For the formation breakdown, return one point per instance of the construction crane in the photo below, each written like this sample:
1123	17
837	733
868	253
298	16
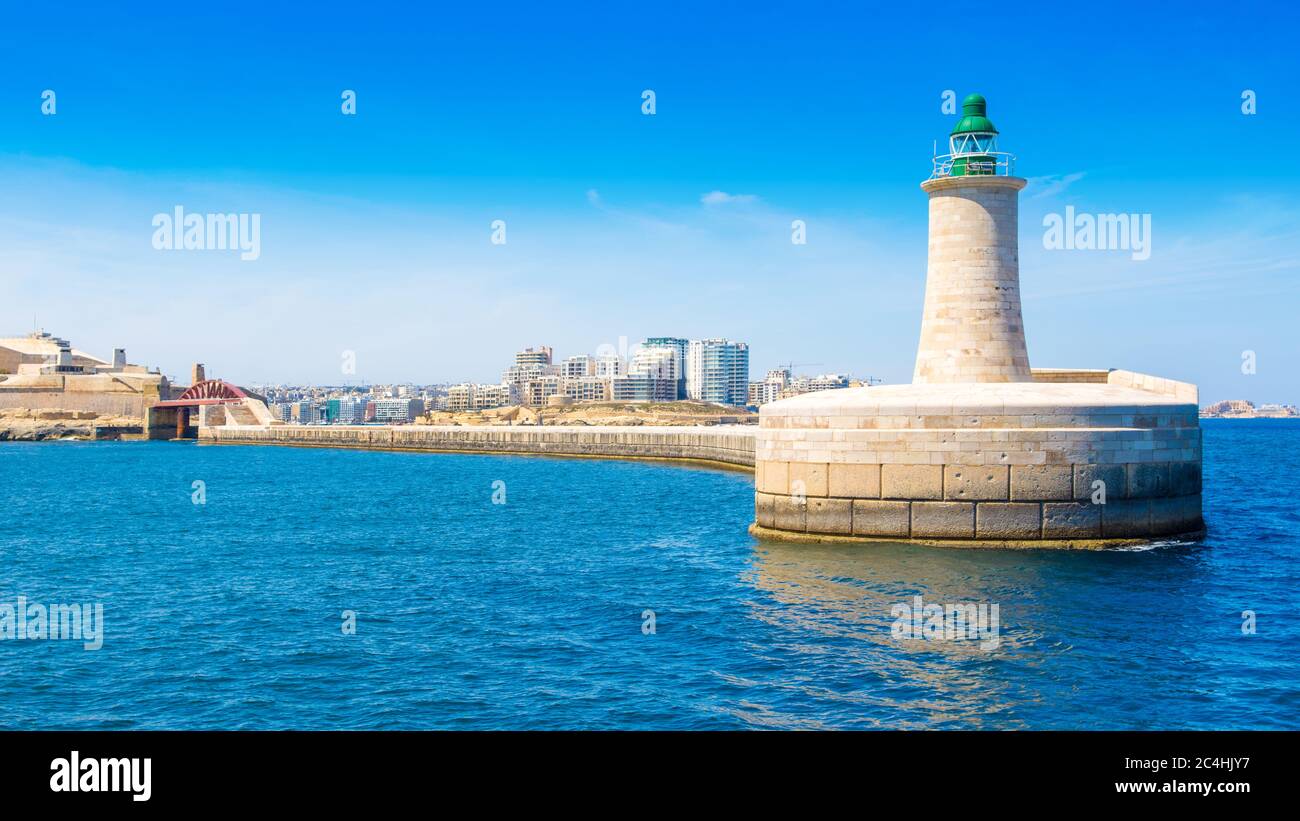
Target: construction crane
866	380
792	365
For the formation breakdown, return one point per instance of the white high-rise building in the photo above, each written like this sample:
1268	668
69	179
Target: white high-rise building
662	363
534	356
717	370
576	367
773	386
610	365
680	349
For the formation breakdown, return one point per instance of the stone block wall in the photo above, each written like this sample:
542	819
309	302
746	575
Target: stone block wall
1065	474
924	505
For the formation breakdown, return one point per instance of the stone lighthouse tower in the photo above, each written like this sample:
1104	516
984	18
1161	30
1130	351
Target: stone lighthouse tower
971	330
980	449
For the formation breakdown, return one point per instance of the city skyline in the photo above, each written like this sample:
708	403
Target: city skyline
376	231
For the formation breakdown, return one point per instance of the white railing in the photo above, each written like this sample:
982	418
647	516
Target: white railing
982	164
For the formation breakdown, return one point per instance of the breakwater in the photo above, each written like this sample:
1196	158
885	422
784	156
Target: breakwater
725	444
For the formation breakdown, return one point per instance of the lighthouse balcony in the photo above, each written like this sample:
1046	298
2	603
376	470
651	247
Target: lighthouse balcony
978	164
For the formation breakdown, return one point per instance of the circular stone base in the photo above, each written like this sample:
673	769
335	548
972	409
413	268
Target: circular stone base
770	535
1046	464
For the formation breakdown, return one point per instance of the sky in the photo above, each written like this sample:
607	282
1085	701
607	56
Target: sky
376	227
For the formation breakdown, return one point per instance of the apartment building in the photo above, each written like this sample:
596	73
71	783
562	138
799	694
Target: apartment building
398	411
717	370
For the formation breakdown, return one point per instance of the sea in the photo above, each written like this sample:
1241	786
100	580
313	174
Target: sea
250	587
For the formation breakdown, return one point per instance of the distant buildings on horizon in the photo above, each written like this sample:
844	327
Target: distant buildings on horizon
1245	409
660	369
782	383
347	409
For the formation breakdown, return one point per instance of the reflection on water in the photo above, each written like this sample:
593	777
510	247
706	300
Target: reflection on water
1069	623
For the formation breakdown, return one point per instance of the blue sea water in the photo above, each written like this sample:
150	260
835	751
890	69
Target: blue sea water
532	613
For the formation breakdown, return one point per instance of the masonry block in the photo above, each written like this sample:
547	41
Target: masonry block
1180	514
1039	483
1008	520
881	518
854	481
911	481
812	475
948	520
1071	520
830	516
788	514
765	509
1147	480
975	483
1185	479
774	477
1122	518
1112	475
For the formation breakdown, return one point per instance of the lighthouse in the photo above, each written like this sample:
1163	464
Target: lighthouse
980	449
971	327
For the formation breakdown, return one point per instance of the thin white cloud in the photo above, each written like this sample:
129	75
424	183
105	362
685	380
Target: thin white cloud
723	198
1051	185
593	197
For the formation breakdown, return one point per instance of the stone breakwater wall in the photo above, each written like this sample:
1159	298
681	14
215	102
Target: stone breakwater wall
1012	499
1010	464
730	445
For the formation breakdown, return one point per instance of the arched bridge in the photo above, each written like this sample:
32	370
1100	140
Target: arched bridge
218	403
207	392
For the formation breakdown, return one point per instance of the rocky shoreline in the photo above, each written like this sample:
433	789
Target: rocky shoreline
22	425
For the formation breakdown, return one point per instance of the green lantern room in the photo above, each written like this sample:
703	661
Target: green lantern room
973	143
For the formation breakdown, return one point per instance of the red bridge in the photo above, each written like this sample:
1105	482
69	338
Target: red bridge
207	392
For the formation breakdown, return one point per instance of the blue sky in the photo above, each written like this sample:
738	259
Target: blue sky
376	227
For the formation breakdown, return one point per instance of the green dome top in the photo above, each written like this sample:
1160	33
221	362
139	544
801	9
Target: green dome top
973	117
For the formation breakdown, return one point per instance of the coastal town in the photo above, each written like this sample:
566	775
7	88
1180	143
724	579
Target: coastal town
1245	409
51	390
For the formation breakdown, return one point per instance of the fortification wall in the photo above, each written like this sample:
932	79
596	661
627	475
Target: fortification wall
104	404
104	394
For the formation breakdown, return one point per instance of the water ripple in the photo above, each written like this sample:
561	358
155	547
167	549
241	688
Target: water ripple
536	614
